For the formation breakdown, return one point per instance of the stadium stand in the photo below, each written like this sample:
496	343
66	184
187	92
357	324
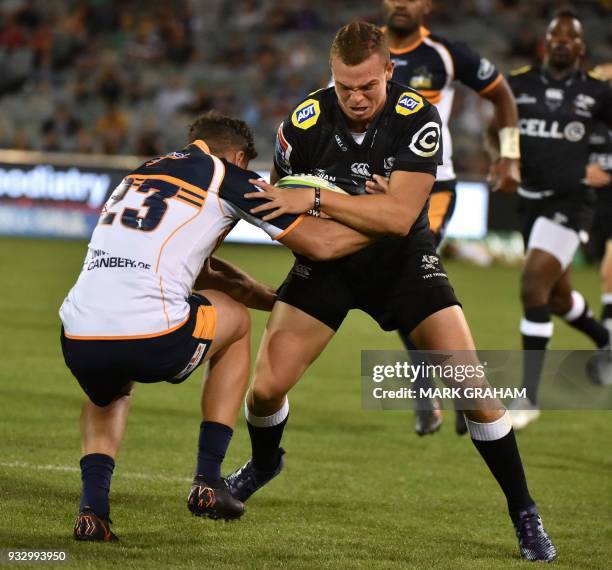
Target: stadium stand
126	77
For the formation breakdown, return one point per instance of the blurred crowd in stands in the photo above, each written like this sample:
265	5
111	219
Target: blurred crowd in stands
127	76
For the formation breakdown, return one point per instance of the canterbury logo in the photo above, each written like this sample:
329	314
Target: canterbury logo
361	169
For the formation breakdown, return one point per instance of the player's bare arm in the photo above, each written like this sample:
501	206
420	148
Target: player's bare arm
322	240
596	176
392	212
221	275
505	174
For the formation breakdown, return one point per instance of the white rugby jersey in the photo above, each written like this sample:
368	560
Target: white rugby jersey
431	65
154	234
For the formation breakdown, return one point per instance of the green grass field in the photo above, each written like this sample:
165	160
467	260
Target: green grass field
360	490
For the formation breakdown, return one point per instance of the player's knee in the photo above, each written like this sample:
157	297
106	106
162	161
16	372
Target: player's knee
485	416
243	320
560	303
234	316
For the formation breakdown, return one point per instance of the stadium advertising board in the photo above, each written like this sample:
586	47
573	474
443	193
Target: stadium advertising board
60	196
50	196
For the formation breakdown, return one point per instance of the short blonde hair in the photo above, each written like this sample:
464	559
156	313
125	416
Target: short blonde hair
357	41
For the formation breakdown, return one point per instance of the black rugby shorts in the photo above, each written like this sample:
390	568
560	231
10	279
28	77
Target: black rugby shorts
574	214
399	282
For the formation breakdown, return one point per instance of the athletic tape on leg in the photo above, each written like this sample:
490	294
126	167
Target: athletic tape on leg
530	328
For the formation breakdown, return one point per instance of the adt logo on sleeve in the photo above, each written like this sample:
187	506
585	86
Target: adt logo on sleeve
409	103
306	114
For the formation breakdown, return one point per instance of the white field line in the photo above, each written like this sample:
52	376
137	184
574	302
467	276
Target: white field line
73	469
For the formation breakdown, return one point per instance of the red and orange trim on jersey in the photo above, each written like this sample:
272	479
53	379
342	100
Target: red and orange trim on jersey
201	145
290	228
492	85
424	32
130	337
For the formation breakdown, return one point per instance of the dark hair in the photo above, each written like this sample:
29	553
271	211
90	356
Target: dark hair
222	133
567	12
357	41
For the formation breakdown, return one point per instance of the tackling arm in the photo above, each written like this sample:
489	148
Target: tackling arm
321	240
221	275
391	213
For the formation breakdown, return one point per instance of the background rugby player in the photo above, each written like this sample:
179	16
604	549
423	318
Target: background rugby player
559	105
368	123
131	316
431	64
599	176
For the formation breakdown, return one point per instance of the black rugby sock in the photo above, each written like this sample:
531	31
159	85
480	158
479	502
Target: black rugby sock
266	433
536	330
212	445
96	473
502	456
581	318
265	445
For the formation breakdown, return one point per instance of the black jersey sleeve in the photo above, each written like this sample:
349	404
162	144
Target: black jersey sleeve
517	77
231	194
472	69
420	144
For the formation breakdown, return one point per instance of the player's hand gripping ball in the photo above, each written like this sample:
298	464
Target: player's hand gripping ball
292	195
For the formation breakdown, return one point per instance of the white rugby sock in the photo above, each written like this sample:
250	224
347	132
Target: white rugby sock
490	431
267	421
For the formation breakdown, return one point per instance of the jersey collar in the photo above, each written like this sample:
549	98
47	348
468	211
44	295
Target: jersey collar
424	33
547	79
201	145
370	132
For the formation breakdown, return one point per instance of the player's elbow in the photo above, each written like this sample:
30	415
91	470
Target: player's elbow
314	247
398	220
328	245
399	226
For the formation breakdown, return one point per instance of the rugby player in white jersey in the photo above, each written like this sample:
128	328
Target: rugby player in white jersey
132	315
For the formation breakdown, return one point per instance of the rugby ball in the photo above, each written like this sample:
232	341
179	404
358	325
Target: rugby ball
308	181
